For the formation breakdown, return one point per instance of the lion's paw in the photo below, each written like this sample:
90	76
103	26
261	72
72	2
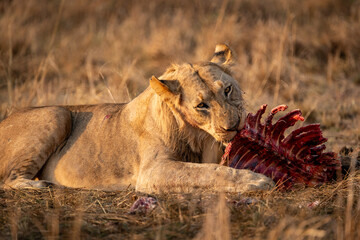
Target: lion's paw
251	181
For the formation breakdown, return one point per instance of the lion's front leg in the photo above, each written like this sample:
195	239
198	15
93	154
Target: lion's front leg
162	175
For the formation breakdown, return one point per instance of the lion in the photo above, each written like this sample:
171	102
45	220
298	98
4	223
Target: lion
165	140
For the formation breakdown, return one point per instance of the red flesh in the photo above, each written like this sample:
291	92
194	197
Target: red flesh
295	159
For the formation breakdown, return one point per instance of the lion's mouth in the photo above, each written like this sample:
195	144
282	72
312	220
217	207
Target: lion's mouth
227	137
233	128
231	133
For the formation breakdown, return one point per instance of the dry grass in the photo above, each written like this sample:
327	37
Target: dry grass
58	213
305	54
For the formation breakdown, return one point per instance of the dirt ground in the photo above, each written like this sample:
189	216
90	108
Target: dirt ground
305	54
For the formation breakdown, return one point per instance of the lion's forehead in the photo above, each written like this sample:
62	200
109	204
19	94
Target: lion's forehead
204	75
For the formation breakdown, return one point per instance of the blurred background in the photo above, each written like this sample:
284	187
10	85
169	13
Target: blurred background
305	54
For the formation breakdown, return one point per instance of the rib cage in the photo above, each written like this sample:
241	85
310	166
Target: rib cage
298	158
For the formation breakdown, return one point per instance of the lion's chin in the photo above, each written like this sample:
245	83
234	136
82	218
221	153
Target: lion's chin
226	138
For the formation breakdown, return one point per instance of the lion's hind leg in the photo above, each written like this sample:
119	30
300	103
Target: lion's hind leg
27	140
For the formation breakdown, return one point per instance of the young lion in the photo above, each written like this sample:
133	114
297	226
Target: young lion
162	141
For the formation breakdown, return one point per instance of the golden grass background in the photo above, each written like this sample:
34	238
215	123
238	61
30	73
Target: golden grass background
305	54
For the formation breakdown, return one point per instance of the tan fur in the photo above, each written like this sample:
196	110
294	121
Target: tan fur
162	141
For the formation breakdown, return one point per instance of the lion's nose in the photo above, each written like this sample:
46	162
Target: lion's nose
242	121
234	128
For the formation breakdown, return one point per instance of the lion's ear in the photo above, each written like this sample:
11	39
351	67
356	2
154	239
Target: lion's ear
165	88
223	56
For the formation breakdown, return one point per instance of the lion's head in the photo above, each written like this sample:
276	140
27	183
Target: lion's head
204	95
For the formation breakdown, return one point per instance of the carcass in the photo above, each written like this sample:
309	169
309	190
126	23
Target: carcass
298	158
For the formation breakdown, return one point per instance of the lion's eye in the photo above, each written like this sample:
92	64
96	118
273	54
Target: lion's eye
202	106
227	91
